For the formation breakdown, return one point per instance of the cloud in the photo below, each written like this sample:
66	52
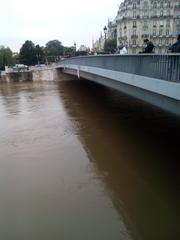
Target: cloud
46	20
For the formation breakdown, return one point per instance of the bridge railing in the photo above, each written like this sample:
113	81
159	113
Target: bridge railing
161	66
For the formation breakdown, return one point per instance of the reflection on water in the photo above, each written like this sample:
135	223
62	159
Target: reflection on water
81	161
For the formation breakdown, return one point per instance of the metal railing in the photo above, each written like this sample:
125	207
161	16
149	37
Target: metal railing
160	66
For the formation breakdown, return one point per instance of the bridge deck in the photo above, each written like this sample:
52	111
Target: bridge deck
152	78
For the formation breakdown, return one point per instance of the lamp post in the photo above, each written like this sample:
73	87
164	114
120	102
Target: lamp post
38	58
105	35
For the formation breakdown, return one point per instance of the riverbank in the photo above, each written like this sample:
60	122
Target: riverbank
33	74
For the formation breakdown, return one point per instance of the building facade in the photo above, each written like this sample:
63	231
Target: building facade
112	29
157	20
98	45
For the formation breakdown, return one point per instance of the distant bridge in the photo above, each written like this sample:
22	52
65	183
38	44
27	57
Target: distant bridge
153	78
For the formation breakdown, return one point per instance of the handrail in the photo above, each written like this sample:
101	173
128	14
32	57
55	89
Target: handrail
159	66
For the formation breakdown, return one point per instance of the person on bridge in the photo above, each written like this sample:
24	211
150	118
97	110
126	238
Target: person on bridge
121	49
149	46
175	48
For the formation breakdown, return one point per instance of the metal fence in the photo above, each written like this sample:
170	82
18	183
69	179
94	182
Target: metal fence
164	67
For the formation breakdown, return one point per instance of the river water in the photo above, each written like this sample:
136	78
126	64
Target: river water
82	161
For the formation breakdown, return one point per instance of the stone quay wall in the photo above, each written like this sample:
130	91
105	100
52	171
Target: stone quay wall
35	74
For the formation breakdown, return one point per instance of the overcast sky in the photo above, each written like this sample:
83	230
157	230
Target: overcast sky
41	21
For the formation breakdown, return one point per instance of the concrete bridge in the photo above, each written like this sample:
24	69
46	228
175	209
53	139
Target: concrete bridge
152	78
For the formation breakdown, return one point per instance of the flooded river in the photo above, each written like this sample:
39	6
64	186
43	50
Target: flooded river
82	161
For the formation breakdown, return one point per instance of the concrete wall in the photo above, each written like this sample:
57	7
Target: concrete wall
44	74
16	77
49	74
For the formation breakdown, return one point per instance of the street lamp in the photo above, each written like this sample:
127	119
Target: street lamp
105	34
38	58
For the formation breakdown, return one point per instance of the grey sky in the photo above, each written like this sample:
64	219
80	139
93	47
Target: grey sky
41	21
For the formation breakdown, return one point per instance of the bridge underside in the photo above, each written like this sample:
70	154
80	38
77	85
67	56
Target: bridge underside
162	94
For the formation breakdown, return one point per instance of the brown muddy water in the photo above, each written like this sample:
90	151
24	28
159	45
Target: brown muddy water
82	161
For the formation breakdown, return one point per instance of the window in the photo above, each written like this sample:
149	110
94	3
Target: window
145	23
145	4
168	12
167	32
161	4
134	14
134	42
161	13
168	23
161	23
145	29
178	14
134	24
145	13
154	13
160	32
155	5
134	5
154	33
168	4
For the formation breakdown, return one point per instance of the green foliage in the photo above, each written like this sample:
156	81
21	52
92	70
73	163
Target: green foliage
40	56
27	53
81	53
53	48
69	51
6	57
110	46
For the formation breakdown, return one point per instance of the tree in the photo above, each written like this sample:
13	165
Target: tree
54	49
6	57
69	51
81	53
27	53
39	52
110	46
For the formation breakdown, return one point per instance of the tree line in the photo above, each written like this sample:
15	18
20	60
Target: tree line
31	54
6	57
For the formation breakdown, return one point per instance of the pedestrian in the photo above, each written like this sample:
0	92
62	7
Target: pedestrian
175	48
149	46
121	49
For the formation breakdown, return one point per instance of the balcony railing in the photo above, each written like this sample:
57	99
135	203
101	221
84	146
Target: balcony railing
145	35
134	36
134	45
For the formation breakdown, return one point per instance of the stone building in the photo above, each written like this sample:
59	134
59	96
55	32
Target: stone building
112	29
98	45
157	20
